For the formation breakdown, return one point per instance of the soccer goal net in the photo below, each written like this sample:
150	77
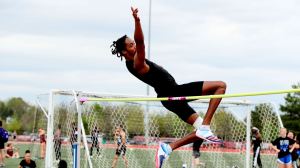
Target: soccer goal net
88	132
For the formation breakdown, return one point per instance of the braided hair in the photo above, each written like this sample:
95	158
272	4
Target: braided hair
118	46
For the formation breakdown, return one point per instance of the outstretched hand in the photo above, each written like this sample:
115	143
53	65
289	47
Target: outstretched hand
135	13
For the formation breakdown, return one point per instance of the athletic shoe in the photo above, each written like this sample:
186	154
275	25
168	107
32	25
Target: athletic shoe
161	155
206	134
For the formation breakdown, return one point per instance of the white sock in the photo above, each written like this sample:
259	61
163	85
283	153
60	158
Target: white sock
205	126
169	149
197	124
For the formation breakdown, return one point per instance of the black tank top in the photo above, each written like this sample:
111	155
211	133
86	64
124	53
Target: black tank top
157	76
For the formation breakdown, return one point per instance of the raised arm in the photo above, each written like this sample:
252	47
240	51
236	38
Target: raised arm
138	33
274	148
139	58
292	147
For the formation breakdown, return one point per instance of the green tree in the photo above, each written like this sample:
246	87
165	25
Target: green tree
21	112
14	124
164	125
227	126
27	119
18	106
265	119
61	115
4	110
291	110
292	104
103	115
135	120
259	113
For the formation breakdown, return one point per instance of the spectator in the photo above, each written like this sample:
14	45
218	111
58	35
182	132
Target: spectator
27	162
42	135
95	140
74	135
57	142
2	142
11	151
256	142
14	135
294	152
283	145
120	140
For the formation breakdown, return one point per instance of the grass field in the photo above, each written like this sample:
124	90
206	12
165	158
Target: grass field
34	148
144	158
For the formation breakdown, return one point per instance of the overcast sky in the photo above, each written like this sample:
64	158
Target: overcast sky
253	45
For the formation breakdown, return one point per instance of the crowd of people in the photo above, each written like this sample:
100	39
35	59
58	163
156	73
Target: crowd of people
8	150
286	146
287	149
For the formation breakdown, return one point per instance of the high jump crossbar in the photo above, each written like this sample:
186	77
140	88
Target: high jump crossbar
85	99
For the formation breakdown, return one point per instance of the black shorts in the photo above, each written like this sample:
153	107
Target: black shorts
182	108
1	145
122	150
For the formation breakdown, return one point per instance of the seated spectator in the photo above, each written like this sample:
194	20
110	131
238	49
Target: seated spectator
27	162
11	151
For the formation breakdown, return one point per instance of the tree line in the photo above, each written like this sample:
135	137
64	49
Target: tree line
24	117
19	114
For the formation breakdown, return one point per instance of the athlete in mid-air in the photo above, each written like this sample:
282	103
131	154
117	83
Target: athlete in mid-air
165	86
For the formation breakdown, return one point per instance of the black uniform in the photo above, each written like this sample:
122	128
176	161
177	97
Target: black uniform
283	145
24	164
166	86
256	141
94	138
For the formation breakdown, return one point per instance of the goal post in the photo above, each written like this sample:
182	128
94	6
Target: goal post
73	111
104	112
49	146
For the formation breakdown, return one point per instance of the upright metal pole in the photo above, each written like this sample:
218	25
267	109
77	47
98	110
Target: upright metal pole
78	128
277	114
146	120
149	38
248	139
82	132
50	129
